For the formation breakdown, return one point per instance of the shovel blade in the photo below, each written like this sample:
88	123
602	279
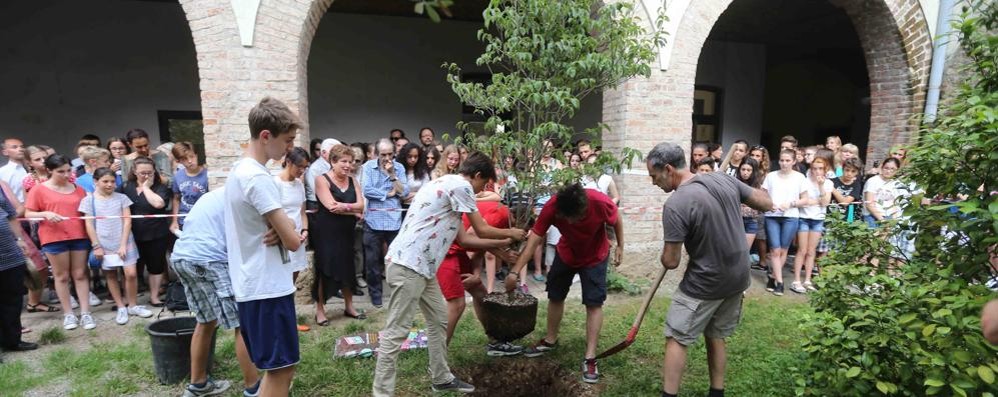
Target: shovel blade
616	349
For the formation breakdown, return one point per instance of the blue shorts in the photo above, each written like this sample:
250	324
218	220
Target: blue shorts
780	231
751	225
811	225
59	247
270	331
593	282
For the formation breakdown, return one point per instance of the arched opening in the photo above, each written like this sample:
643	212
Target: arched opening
97	67
793	68
376	66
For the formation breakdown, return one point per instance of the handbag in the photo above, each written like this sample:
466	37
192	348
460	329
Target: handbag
92	259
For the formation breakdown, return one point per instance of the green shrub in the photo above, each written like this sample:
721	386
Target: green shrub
912	327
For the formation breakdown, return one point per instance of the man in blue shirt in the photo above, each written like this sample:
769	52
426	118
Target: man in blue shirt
385	185
201	262
12	269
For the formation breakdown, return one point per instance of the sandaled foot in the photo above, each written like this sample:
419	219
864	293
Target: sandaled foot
40	308
322	323
358	316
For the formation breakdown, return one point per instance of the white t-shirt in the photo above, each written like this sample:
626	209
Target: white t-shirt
255	269
602	184
431	224
783	190
292	199
884	195
815	211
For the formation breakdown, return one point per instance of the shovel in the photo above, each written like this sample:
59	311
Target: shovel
633	333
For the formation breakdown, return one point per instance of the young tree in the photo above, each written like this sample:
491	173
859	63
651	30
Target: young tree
545	57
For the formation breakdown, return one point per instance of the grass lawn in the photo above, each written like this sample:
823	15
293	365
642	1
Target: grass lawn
759	357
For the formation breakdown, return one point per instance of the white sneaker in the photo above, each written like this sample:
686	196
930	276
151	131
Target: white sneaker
139	310
73	303
88	321
361	283
94	300
69	322
122	317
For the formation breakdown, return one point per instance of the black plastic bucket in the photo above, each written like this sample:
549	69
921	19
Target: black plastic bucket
171	348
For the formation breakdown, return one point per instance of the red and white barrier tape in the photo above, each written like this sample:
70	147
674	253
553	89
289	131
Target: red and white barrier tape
66	218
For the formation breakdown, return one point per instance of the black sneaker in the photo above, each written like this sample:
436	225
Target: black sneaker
590	372
539	349
502	349
770	284
778	289
454	385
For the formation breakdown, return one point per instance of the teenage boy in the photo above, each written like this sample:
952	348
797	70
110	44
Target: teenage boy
261	280
200	261
704	214
431	225
581	215
94	158
189	184
77	163
14	171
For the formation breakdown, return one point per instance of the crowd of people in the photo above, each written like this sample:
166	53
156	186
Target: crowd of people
121	219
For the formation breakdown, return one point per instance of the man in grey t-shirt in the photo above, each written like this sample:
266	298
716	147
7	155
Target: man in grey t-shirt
704	214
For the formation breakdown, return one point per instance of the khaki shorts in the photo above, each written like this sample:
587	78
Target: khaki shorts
689	317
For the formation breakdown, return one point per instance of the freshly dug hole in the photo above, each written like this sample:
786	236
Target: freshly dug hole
508	317
522	377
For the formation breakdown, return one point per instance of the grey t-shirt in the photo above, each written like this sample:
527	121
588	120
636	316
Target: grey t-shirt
705	214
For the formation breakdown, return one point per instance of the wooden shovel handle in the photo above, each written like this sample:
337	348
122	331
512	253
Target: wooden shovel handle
648	298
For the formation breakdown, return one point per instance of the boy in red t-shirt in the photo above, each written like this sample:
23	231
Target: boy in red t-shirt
461	271
582	216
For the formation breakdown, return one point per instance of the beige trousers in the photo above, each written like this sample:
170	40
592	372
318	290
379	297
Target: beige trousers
409	289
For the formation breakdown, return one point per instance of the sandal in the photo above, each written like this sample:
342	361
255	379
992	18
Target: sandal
34	308
359	316
322	323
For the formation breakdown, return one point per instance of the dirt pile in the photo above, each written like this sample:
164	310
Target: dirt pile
521	377
509	317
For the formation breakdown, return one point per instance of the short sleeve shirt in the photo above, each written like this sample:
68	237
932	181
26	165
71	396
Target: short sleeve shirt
148	229
11	255
704	214
854	190
189	189
203	239
256	270
815	211
42	198
109	230
783	189
431	224
584	243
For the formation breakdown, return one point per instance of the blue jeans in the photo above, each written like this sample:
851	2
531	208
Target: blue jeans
780	231
374	259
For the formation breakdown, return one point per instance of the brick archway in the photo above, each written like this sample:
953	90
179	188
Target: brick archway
642	112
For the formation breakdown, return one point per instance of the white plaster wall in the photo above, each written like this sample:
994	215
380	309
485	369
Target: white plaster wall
71	67
368	74
739	69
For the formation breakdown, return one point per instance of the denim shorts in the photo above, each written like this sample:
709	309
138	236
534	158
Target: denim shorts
751	225
811	225
780	231
59	247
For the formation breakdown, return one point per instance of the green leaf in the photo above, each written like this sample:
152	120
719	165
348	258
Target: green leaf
432	13
934	382
852	372
906	318
885	387
928	330
419	7
986	374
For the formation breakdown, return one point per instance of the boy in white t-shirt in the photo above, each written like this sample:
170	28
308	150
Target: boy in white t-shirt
254	223
430	226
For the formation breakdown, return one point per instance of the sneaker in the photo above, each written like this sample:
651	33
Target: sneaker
770	284
252	391
539	278
778	289
94	300
797	287
523	289
455	385
539	349
210	388
122	317
69	322
590	372
88	321
139	310
576	279
809	286
502	349
361	283
73	303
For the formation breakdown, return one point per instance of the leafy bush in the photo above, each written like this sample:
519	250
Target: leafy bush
912	327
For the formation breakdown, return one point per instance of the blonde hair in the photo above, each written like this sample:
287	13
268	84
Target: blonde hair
93	153
847	148
441	168
727	157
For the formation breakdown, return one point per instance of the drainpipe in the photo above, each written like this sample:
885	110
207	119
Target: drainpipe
938	59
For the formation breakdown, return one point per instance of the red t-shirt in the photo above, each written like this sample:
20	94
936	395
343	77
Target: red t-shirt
42	198
493	212
584	243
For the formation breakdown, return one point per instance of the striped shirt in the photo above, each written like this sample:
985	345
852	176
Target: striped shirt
11	255
376	187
